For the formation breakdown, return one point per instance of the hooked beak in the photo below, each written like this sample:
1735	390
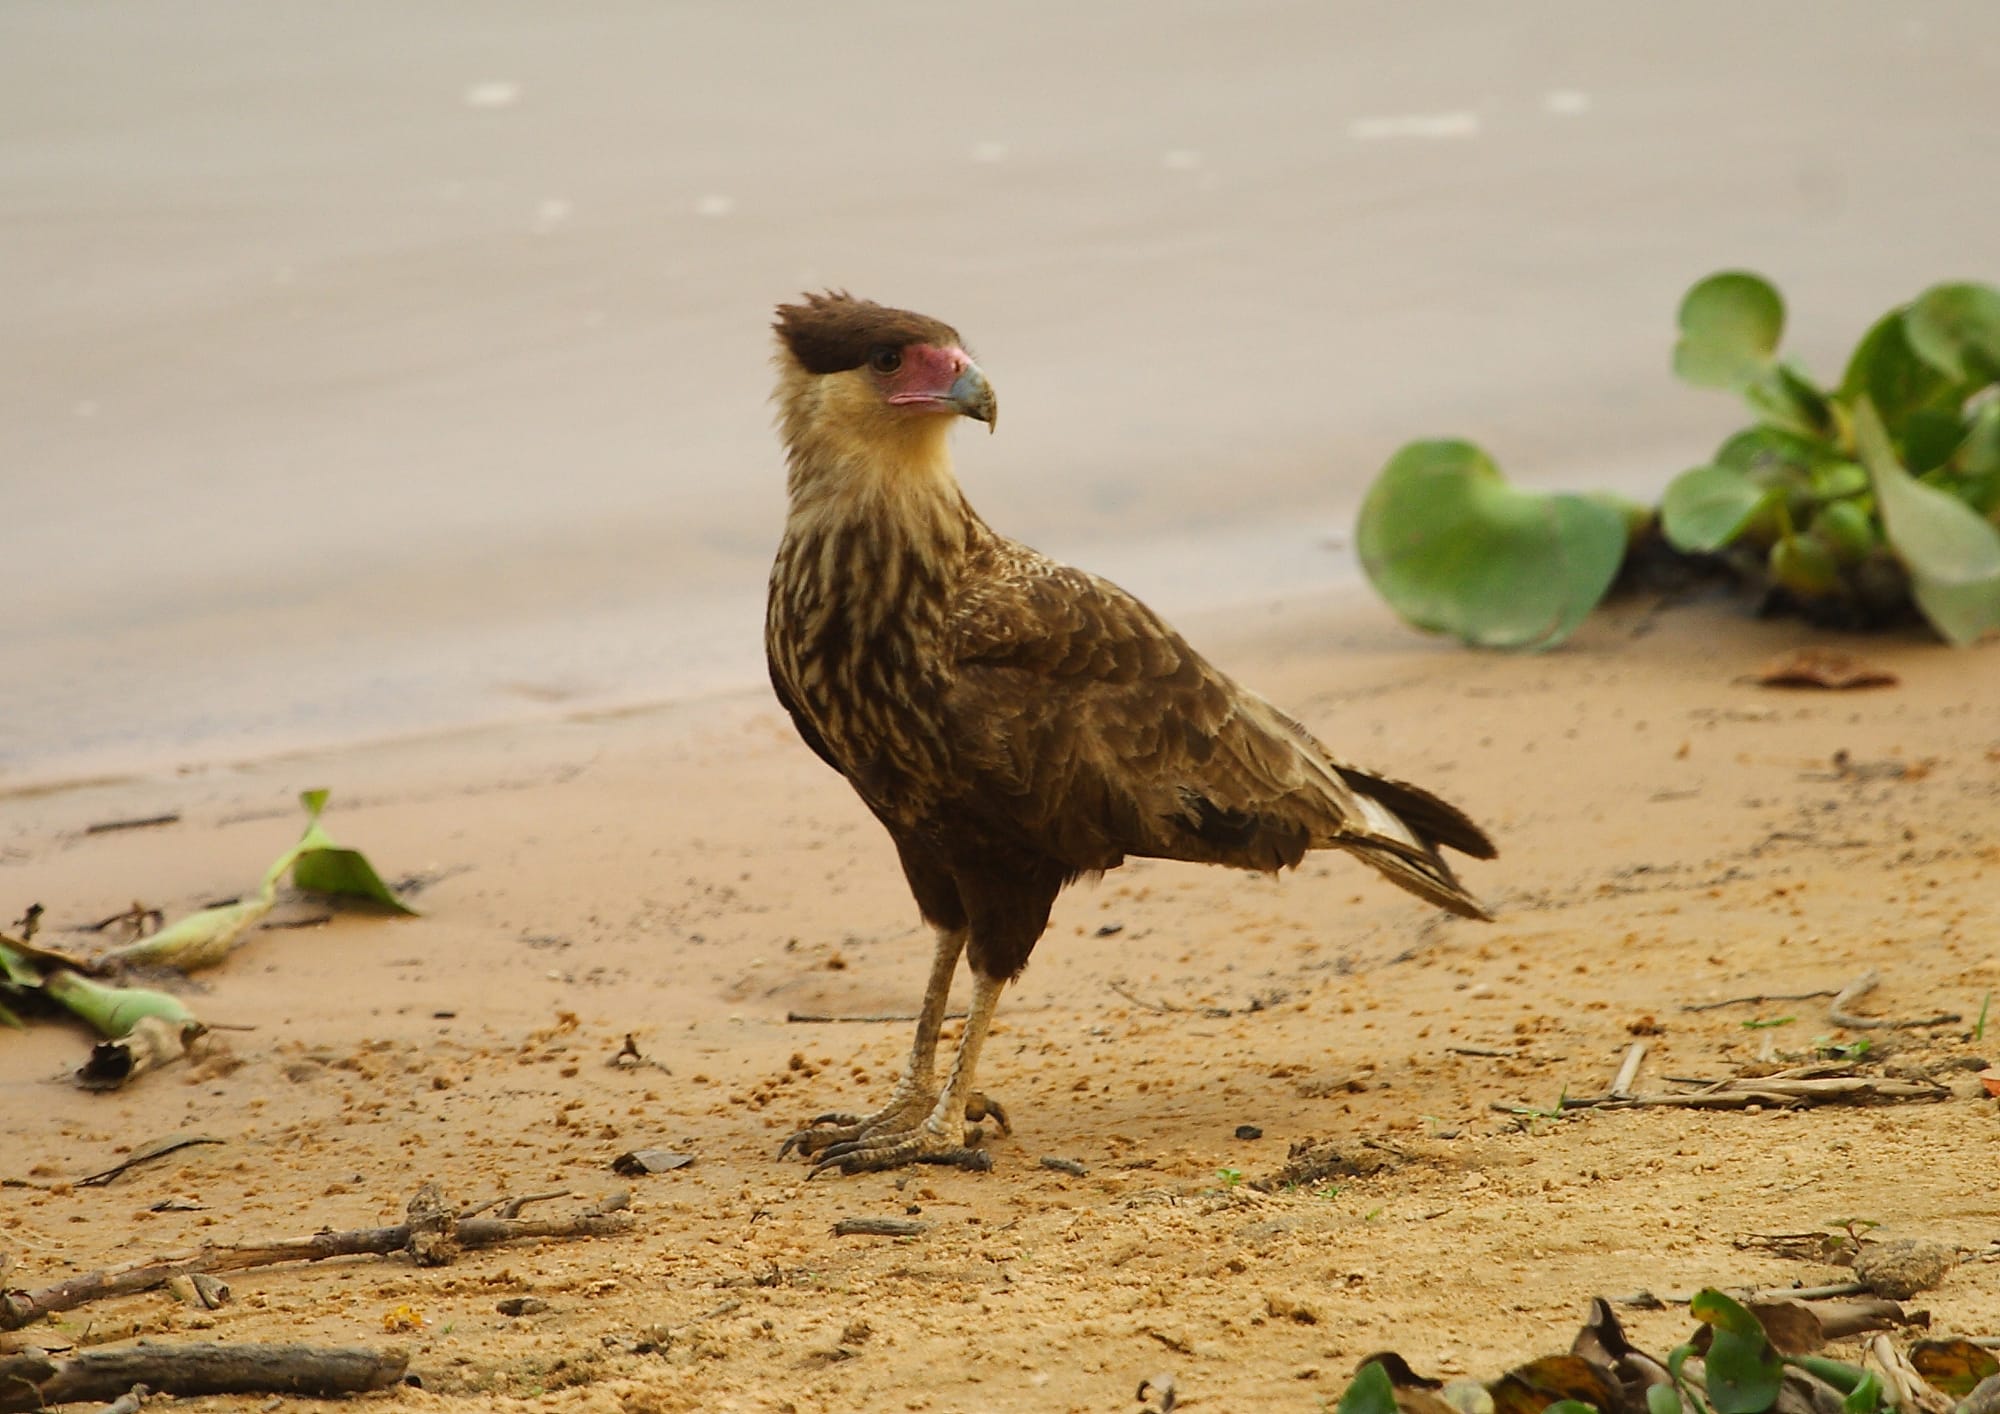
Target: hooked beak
973	396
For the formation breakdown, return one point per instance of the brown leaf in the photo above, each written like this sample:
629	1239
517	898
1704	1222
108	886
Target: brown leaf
1954	1366
1822	667
1792	1326
1533	1387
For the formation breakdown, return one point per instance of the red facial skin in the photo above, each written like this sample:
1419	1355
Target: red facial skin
925	377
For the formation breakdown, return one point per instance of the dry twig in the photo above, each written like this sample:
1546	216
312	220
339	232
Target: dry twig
21	1308
1860	987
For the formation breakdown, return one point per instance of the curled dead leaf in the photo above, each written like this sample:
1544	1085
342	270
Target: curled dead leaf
1823	667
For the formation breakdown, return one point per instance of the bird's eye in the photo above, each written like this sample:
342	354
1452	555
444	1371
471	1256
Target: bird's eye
885	360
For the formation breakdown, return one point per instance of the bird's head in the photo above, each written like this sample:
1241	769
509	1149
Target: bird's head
856	371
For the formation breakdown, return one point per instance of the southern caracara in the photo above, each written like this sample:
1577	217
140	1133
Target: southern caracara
1013	722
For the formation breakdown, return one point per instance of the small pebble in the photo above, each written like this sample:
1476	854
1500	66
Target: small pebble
1249	1131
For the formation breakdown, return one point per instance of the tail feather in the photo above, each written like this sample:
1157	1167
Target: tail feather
1422	872
1435	821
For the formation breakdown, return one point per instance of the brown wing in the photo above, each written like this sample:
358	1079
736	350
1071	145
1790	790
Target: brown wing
1088	729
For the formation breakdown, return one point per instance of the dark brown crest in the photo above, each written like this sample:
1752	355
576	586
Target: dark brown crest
834	331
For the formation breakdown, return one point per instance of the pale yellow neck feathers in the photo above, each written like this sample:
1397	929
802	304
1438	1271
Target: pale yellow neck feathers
852	458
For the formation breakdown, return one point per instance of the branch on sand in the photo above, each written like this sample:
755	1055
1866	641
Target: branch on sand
432	1236
1799	1088
1860	987
34	1380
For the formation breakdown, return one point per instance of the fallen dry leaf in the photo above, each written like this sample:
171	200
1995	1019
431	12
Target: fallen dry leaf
1822	667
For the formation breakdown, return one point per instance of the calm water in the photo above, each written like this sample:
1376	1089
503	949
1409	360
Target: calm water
379	368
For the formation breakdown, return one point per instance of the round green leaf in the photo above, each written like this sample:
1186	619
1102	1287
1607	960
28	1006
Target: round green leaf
1708	507
1456	550
1743	1371
1772	450
1835	480
1848	529
1956	329
1371	1392
1886	370
1730	325
1806	565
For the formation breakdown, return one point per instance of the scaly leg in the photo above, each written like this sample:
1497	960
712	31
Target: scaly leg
914	1096
940	1137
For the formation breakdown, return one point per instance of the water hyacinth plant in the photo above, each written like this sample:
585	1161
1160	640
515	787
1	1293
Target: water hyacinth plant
1859	505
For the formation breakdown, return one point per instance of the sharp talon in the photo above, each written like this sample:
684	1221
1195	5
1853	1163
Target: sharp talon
981	1107
971	1160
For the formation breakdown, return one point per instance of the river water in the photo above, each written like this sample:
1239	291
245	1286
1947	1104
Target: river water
374	368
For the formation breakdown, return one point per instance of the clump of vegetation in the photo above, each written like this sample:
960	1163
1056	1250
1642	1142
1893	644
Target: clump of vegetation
1857	505
90	989
1744	1358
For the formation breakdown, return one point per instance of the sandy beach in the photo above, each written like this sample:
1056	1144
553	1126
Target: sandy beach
1671	836
390	418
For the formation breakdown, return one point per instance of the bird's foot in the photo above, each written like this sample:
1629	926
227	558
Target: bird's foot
903	1119
925	1143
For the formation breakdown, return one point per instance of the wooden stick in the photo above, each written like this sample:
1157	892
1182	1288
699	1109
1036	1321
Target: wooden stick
317	1371
22	1308
1621	1088
1860	987
821	1019
105	827
1758	1000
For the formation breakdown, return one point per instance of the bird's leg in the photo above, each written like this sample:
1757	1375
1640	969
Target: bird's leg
915	1091
939	1138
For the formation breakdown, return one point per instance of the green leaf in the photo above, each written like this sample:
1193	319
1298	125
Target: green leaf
1963	614
1979	453
16	965
1887	371
1730	326
320	866
1806	566
1929	437
1772	451
1456	550
1663	1399
1708	507
202	939
1842	1376
1956	329
344	871
1744	1372
1848	529
1953	556
1371	1392
1832	480
1570	1406
1786	397
113	1011
1865	1397
7	1018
